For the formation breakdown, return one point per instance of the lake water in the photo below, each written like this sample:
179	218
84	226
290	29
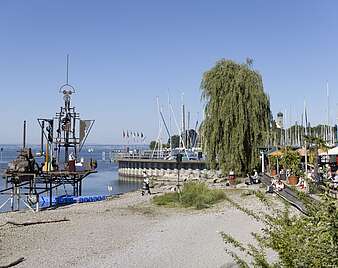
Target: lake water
95	184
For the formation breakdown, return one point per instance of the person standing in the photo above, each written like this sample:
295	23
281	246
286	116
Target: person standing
146	186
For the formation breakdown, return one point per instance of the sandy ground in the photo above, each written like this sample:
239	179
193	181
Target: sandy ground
127	231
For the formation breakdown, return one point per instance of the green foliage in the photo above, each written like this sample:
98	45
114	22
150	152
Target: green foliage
273	161
291	160
300	241
263	198
168	199
237	116
315	144
258	255
175	141
247	193
152	145
193	194
306	241
228	239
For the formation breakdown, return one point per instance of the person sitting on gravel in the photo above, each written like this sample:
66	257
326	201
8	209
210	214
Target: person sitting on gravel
270	188
253	179
250	180
279	185
256	177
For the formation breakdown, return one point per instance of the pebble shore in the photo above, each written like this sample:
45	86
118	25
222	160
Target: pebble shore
128	231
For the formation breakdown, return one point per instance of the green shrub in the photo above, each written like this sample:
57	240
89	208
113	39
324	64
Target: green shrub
168	199
299	240
193	194
263	198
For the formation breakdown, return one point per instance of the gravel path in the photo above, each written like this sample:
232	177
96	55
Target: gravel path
128	231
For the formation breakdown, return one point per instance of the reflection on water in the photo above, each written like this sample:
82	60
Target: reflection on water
105	182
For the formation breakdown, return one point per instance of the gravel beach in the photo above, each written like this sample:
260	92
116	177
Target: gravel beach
128	231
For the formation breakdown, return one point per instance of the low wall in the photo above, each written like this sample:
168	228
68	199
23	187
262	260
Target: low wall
140	163
169	174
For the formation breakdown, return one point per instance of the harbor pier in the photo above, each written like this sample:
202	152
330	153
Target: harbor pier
128	167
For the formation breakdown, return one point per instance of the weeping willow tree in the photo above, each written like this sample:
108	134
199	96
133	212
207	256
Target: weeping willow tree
237	116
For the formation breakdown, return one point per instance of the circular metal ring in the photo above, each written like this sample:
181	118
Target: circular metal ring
66	88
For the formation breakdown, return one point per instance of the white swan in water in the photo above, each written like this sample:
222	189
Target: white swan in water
110	188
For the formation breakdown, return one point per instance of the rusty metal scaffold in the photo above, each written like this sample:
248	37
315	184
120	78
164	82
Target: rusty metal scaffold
62	138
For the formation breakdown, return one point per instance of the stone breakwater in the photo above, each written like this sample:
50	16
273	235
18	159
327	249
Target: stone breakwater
170	174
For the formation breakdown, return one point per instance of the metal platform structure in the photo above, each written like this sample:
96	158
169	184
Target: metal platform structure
62	138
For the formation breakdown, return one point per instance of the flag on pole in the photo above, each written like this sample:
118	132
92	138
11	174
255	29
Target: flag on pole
85	126
124	134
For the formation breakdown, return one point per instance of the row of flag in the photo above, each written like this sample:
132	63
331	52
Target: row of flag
132	134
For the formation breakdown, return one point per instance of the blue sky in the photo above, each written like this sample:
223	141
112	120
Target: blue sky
125	53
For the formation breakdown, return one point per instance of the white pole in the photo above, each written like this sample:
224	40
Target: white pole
175	121
171	142
305	143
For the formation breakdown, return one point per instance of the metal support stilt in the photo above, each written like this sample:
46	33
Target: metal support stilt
12	198
18	196
50	194
37	203
80	188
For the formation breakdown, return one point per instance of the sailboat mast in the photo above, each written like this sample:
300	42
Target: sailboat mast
170	138
183	134
328	111
305	144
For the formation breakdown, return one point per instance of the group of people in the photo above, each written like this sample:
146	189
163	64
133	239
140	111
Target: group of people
276	185
326	173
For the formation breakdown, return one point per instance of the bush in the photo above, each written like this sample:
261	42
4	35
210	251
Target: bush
193	194
300	240
168	199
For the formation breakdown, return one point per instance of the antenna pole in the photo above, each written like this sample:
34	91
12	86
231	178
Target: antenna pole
24	135
67	69
328	110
